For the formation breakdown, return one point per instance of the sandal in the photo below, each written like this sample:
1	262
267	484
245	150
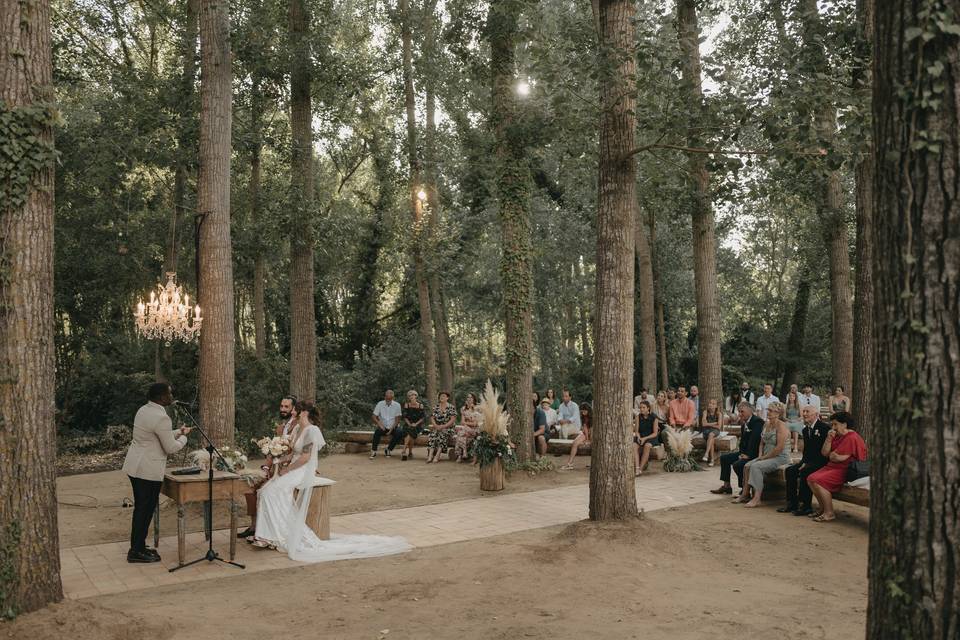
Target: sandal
820	518
567	467
261	544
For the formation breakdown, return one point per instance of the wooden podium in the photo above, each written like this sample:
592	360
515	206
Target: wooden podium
193	488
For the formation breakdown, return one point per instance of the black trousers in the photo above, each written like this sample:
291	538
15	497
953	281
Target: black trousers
798	491
146	494
732	461
395	437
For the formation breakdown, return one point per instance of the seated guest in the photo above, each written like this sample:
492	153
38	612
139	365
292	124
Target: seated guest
413	418
839	401
568	416
552	397
583	438
643	397
671	394
710	429
386	416
444	415
683	413
661	408
765	401
730	408
646	435
808	397
539	428
799	497
794	423
842	446
775	439
750	428
468	429
552	418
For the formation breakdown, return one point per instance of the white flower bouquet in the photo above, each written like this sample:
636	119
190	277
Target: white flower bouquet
275	446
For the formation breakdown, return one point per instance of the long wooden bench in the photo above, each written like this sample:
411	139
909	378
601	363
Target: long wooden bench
854	495
359	441
561	447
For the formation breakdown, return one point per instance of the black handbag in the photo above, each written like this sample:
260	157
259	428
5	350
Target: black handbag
858	469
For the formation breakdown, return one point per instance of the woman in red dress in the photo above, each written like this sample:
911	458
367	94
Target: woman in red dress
842	446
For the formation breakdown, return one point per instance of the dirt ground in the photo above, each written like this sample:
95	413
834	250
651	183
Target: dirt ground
91	508
707	570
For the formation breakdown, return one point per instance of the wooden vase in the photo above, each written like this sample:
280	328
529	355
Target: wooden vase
491	476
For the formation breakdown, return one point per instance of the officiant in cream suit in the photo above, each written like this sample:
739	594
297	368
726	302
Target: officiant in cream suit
153	440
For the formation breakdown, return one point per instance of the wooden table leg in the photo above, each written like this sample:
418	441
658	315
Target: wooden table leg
233	529
181	534
156	526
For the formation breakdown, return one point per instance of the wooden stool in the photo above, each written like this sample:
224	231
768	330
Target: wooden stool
318	512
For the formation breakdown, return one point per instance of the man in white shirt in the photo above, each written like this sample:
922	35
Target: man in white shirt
808	398
764	401
569	416
385	417
644	396
145	463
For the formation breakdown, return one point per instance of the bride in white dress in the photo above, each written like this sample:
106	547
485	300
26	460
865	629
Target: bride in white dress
282	518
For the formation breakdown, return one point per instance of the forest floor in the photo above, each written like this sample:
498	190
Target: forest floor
710	569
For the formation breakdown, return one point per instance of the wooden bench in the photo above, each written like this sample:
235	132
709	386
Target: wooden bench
721	444
853	495
359	441
561	447
318	512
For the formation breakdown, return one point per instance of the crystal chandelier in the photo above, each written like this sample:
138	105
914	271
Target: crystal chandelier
168	315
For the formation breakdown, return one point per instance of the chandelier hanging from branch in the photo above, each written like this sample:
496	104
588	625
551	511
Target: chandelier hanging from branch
168	316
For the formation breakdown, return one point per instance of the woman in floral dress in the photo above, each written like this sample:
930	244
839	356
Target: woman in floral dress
444	415
468	429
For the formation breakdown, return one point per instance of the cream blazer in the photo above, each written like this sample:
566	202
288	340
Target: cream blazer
153	441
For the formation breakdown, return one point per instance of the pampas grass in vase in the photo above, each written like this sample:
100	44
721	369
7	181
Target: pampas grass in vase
493	443
679	447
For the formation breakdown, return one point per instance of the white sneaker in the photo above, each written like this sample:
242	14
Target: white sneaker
387	454
705	459
373	454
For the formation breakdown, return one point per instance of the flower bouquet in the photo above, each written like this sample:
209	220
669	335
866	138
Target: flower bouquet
275	446
235	459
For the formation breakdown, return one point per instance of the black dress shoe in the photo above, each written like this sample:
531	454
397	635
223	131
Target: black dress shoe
246	533
790	508
152	552
805	511
141	557
722	490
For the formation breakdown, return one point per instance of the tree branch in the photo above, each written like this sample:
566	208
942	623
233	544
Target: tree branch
721	152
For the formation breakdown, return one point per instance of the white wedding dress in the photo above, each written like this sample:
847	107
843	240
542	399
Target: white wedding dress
282	519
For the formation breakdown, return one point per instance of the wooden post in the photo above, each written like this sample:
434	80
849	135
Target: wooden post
491	476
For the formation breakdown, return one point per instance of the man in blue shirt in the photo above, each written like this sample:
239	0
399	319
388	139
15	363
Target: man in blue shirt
569	413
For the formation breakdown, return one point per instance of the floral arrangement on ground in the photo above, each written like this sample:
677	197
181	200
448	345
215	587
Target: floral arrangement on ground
679	447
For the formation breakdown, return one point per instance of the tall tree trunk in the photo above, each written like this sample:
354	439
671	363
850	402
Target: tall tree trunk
798	325
437	299
704	232
612	494
215	288
658	307
514	184
830	206
303	320
259	261
862	392
186	142
586	324
648	336
28	451
416	205
914	582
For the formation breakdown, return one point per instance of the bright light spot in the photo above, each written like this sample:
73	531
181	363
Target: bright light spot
421	195
523	89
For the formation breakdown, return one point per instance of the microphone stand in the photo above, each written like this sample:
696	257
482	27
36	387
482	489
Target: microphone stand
211	555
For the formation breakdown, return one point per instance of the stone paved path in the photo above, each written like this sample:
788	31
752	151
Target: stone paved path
101	569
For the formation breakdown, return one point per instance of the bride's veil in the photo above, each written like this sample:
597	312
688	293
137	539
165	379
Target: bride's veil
302	543
312	441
